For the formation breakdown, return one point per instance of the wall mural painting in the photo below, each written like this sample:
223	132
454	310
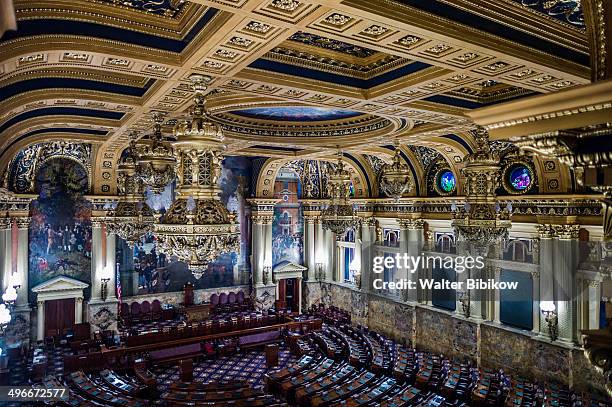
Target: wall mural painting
146	271
288	222
60	230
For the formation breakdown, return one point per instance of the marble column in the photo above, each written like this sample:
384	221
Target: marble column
368	242
98	258
103	266
332	255
535	278
6	249
309	246
411	243
564	263
262	214
593	291
546	253
23	223
40	321
357	251
257	258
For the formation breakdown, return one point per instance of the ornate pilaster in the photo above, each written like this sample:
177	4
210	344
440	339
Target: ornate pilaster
6	251
535	279
411	243
312	219
368	241
262	215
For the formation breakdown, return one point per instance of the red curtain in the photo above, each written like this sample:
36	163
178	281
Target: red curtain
59	315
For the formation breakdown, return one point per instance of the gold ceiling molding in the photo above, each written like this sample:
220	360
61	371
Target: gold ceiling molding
527	20
59	120
120	78
85	98
113	15
403	15
85	45
572	108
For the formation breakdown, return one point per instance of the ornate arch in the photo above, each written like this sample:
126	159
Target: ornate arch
24	166
269	170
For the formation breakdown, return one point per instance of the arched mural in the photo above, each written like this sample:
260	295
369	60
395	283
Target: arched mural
288	221
60	230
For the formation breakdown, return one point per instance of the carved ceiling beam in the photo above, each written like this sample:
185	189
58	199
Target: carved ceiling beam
569	109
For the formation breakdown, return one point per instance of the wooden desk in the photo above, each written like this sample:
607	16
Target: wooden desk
196	312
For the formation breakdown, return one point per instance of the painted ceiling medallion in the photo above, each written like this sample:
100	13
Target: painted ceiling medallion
296	113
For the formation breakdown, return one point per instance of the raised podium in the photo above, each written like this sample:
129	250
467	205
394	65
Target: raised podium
191	311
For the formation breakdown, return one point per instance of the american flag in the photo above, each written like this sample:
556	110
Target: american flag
118	283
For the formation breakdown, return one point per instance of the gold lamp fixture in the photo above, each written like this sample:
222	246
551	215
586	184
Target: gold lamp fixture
395	178
156	160
197	227
132	218
481	222
339	216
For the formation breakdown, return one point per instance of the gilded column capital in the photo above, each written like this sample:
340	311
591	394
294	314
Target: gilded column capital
545	231
23	222
567	231
411	224
262	218
97	222
369	222
593	283
5	223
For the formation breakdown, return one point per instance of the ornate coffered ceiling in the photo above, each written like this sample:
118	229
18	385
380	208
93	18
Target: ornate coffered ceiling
375	70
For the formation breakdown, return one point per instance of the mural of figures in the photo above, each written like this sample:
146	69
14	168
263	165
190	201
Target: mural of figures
146	271
288	222
60	230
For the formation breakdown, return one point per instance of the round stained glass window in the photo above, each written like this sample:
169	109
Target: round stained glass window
447	181
520	178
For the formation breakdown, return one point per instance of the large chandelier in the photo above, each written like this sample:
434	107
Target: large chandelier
481	222
156	160
132	218
339	216
395	178
197	227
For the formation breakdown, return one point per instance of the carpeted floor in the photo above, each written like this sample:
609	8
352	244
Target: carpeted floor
249	366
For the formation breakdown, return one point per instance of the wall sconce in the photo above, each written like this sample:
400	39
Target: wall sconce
10	297
5	318
464	299
548	310
320	273
266	274
104	288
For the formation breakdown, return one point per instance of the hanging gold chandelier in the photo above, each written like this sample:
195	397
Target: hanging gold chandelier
197	227
481	222
339	216
132	218
156	160
395	178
